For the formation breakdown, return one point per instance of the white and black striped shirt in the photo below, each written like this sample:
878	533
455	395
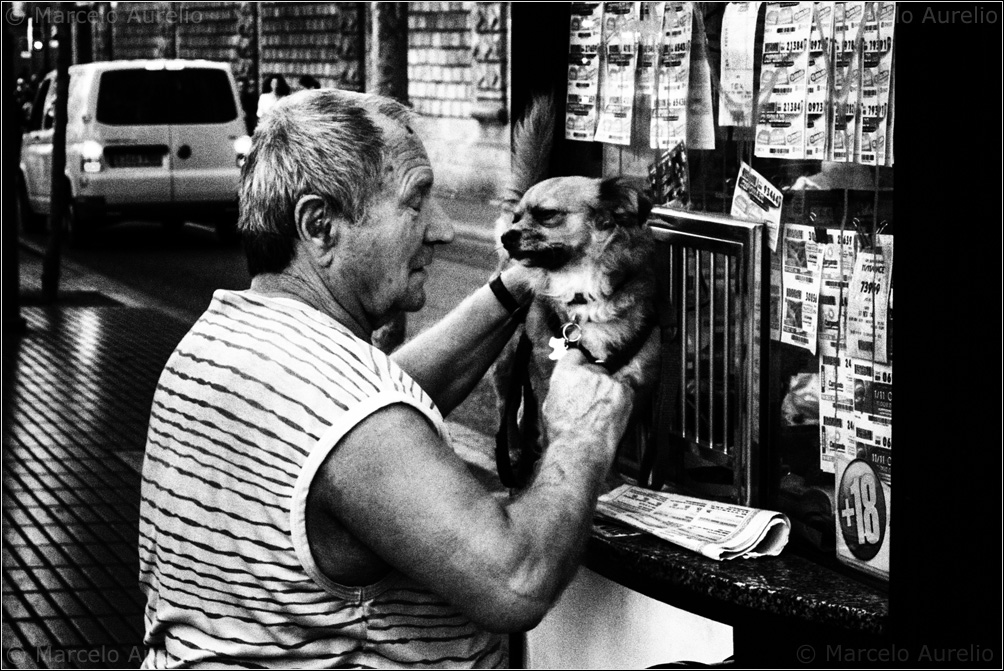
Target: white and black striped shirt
247	408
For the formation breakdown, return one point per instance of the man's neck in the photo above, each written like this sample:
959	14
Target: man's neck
289	284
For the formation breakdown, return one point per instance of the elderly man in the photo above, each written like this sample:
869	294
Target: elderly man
301	504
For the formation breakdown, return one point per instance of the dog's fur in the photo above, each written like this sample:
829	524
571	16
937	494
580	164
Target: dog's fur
589	241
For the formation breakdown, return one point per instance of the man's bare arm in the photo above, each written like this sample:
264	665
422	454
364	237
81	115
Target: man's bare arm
403	492
451	357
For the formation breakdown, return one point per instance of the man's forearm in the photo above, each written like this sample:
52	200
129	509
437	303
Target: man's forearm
450	358
555	515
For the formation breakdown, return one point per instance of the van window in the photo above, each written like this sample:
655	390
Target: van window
162	97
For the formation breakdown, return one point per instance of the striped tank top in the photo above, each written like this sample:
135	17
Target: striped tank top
248	406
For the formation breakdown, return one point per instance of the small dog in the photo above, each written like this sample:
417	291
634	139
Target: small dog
596	289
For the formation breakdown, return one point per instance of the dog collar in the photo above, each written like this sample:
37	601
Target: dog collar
571	338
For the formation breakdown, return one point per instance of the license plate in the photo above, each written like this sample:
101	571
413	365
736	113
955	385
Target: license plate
138	159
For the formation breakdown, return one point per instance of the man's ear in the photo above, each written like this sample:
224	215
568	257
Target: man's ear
627	204
313	222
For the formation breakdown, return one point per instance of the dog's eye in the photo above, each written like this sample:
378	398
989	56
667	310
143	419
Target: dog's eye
547	217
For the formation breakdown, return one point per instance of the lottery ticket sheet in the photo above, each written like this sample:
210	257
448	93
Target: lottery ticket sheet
876	81
817	97
672	81
838	266
620	59
848	23
735	100
585	36
800	282
780	128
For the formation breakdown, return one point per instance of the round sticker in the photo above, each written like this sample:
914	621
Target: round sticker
861	507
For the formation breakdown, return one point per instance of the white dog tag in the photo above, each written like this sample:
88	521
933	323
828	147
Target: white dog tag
558	348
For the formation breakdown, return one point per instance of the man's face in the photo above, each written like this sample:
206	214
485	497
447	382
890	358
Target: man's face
391	250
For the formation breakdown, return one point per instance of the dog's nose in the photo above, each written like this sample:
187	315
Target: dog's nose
510	238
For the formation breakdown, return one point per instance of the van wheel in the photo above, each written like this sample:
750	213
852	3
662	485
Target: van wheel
27	220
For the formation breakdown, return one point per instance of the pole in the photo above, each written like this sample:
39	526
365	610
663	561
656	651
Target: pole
60	186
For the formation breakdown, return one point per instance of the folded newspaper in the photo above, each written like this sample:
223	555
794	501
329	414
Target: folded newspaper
714	529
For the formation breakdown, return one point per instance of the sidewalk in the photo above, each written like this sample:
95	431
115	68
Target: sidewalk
78	387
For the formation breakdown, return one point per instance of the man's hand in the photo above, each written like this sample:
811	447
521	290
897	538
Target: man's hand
585	405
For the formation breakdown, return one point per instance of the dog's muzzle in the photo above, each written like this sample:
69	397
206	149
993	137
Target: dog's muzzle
510	240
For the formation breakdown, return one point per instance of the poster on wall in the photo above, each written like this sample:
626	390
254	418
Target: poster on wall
817	88
585	37
735	99
780	129
672	85
847	31
617	83
800	282
876	81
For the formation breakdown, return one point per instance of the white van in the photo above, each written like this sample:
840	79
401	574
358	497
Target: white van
145	139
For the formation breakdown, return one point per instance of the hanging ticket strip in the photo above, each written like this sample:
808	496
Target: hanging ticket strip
700	115
619	64
672	80
826	89
876	82
583	70
848	24
735	95
818	86
780	130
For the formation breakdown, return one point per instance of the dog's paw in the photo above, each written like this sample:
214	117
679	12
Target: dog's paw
641	372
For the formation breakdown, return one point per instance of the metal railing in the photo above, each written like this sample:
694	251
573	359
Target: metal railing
714	275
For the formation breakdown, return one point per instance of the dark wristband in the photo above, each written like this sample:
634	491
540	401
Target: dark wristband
503	296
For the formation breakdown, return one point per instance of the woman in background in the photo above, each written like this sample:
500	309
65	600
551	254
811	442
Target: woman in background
274	88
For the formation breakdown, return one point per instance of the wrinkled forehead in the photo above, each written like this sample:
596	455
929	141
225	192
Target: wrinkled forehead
566	194
406	159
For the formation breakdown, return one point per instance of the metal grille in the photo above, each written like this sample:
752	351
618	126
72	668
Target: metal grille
714	279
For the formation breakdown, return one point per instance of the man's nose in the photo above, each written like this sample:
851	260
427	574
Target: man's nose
440	228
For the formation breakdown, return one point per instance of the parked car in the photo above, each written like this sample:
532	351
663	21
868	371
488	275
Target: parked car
145	139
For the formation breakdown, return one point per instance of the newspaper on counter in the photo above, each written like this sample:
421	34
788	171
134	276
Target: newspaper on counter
780	128
801	282
672	86
619	64
583	70
735	100
714	529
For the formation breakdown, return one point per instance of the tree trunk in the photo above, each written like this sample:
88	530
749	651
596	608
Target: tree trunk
12	322
60	186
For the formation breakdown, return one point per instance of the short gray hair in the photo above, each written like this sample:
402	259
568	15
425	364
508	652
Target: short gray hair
324	142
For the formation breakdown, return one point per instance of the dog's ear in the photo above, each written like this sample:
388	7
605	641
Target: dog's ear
624	203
